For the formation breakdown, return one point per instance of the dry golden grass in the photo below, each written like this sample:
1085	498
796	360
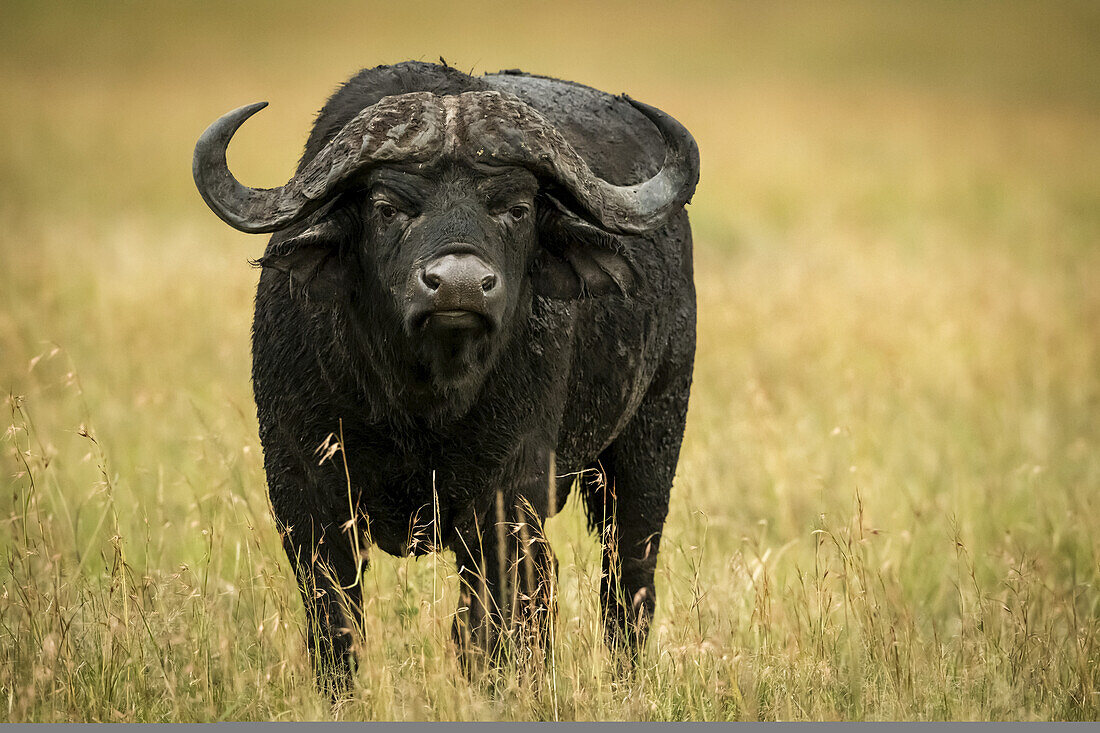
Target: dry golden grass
887	499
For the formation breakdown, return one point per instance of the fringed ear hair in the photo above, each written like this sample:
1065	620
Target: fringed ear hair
579	260
314	259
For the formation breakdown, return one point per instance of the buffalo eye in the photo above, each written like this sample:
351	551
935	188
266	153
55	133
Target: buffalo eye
387	211
518	211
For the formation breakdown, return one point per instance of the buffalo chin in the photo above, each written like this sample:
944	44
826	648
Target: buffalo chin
454	350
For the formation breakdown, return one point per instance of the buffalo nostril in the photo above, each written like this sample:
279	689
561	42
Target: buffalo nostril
431	279
488	282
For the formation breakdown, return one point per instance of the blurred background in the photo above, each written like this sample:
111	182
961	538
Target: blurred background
888	496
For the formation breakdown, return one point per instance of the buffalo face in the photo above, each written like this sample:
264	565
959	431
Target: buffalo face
452	250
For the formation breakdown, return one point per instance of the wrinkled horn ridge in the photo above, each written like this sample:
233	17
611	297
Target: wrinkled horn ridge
503	129
498	129
403	128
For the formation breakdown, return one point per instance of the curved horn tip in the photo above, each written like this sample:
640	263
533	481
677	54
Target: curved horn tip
665	122
209	169
680	143
640	106
673	132
227	124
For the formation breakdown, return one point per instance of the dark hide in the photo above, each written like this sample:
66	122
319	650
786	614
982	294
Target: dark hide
590	366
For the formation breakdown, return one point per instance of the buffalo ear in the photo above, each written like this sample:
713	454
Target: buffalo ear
577	260
312	260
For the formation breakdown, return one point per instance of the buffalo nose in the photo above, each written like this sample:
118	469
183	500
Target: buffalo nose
460	282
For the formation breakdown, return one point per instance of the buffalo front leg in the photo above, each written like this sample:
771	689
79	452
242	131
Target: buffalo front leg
507	575
626	495
328	578
631	539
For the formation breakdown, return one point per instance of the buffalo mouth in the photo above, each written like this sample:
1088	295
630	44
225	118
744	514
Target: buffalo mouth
455	319
450	324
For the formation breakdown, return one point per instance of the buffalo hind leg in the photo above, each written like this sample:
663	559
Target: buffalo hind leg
626	495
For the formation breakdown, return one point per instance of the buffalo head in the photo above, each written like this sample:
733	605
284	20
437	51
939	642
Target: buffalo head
445	213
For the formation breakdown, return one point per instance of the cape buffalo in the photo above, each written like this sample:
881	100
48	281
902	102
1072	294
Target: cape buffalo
478	294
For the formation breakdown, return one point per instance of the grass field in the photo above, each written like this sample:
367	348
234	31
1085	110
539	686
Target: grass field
888	501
